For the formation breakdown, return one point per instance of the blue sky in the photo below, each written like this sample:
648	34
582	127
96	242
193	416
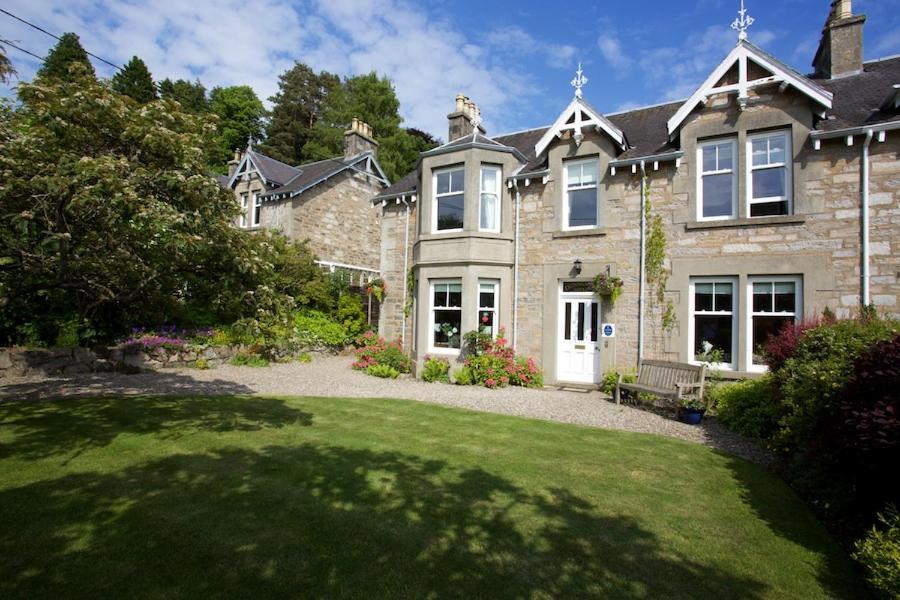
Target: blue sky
515	59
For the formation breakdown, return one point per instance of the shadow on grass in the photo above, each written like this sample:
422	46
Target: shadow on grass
324	521
765	495
70	426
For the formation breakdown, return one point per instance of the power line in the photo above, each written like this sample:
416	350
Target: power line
42	30
11	45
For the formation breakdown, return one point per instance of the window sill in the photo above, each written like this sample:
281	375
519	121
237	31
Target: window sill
747	222
571	233
464	234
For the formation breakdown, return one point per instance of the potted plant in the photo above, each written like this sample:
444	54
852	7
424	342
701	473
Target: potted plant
691	410
607	285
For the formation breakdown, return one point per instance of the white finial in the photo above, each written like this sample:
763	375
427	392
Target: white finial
579	81
741	24
250	143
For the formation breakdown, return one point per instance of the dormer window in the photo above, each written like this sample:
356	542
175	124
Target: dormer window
718	180
769	185
449	199
580	203
489	209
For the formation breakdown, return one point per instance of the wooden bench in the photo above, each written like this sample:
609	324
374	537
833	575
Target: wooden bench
670	380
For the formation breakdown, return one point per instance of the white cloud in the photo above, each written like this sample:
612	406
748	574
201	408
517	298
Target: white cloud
887	44
228	42
611	50
517	40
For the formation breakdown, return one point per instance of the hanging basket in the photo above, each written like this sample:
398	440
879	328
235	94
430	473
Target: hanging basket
608	286
376	288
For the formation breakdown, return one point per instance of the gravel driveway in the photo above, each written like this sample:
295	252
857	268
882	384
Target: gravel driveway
332	376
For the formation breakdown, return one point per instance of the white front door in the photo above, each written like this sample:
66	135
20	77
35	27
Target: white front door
578	357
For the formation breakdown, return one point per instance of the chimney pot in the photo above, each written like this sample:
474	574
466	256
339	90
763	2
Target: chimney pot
359	138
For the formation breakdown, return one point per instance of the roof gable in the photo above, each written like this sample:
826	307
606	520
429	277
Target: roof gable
271	171
312	174
578	115
748	57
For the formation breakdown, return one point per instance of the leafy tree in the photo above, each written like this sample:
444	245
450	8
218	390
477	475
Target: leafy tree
296	108
6	68
191	96
109	218
241	115
68	50
135	80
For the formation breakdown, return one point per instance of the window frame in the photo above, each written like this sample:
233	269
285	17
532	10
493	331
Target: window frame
733	142
497	193
432	349
797	280
243	221
256	212
436	197
788	165
565	190
735	323
495	284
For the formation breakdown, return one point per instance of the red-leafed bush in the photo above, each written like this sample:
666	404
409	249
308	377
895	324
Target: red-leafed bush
779	348
375	351
871	400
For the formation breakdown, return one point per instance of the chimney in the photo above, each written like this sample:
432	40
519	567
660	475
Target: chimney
359	138
462	117
840	50
234	162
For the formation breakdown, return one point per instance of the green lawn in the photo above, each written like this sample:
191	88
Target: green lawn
313	497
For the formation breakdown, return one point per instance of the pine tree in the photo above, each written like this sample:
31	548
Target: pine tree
67	52
295	110
6	68
191	96
135	81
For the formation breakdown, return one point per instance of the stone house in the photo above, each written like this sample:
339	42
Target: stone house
326	202
776	193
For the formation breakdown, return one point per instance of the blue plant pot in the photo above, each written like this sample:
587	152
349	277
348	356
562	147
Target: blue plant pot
691	416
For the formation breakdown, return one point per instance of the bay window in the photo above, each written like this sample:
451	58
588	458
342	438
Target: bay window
580	205
713	328
446	315
489	203
769	182
775	302
717	186
488	296
449	199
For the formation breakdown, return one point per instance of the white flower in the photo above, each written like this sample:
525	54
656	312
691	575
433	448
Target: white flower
707	347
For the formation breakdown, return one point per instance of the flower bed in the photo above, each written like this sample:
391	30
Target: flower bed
374	351
493	364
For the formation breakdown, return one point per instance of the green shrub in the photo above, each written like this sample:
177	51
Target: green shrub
200	364
610	378
350	314
879	554
750	407
315	328
383	371
247	359
810	381
464	376
375	350
436	369
304	357
493	364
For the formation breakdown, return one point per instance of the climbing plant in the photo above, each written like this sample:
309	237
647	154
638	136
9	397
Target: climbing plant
655	262
410	292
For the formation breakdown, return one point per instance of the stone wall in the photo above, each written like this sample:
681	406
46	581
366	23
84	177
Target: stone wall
27	362
393	222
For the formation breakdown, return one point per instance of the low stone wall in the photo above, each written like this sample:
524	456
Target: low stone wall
23	362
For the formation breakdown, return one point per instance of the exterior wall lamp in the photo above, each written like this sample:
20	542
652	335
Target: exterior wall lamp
577	266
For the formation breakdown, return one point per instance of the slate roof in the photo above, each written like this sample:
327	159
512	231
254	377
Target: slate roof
407	184
857	101
312	173
273	170
858	98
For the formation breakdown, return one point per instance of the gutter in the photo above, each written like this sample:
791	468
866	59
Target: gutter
851	131
864	221
642	269
515	327
675	155
529	175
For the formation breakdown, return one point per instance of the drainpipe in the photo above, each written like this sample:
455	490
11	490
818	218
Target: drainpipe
405	272
515	328
642	275
864	174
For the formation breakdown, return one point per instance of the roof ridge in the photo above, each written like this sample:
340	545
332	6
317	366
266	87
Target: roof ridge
647	107
511	133
267	157
882	59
